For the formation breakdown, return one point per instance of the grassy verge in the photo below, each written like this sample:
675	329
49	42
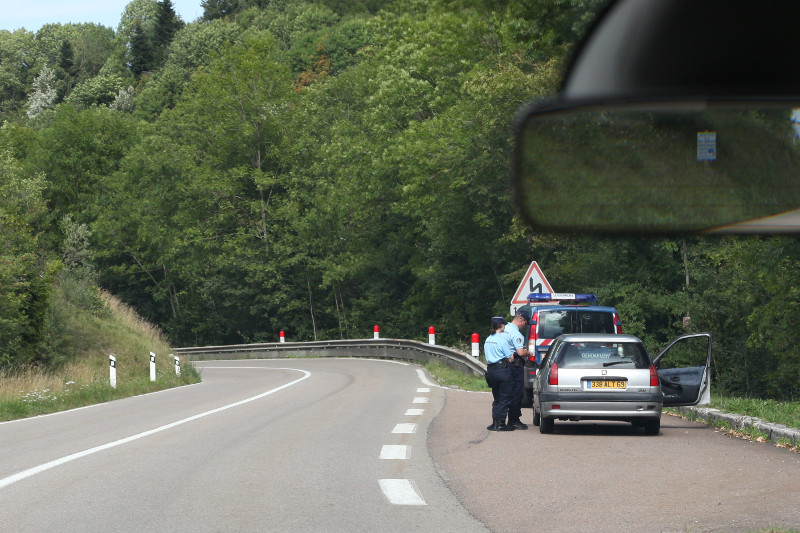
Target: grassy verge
786	413
85	340
448	377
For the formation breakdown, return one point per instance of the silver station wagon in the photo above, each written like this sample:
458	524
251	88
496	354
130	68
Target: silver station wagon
612	377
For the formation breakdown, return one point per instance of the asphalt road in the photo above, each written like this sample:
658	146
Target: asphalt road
364	445
609	477
238	453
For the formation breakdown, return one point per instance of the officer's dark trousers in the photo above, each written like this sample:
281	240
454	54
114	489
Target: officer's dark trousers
517	392
499	378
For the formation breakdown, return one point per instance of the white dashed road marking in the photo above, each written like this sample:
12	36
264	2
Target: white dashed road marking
420	399
414	412
401	492
405	428
390	451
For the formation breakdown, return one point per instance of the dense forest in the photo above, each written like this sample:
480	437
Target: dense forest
321	167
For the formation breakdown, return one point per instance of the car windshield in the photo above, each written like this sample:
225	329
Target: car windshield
603	355
559	322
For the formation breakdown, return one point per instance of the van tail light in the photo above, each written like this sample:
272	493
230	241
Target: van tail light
653	376
533	336
553	379
617	324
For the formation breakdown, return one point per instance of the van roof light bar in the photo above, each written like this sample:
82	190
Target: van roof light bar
563	298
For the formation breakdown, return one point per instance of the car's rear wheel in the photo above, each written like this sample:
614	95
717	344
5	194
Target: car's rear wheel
536	416
652	427
546	424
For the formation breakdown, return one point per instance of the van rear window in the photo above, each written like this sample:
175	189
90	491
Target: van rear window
558	322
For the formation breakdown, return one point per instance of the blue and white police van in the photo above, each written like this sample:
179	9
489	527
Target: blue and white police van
554	314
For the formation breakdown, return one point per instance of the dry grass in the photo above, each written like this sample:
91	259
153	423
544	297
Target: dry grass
88	340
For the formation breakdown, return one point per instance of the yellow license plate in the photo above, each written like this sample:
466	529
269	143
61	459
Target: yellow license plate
606	384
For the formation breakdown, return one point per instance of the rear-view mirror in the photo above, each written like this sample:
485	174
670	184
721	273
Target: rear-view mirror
657	166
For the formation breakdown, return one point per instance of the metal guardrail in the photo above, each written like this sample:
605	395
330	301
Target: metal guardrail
407	350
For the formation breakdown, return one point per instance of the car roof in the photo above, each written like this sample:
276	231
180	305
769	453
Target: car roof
598	337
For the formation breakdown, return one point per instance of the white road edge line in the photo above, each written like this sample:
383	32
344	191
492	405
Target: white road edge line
401	492
58	462
424	379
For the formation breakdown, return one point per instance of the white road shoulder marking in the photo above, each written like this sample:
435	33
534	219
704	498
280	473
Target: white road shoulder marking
405	428
58	462
414	412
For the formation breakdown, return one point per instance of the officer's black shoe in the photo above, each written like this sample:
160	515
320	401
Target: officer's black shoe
516	423
500	425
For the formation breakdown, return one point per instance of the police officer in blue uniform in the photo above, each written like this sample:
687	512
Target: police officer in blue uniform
499	356
517	342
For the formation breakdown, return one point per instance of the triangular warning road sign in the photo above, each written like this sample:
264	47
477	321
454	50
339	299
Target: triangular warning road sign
534	281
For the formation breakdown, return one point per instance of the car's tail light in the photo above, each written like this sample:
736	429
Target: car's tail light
653	376
553	379
617	324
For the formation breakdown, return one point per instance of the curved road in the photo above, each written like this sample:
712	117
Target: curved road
366	445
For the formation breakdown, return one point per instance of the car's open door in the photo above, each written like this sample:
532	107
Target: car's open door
683	369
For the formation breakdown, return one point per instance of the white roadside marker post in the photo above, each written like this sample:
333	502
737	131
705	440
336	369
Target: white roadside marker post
431	335
177	365
476	341
112	371
376	332
152	366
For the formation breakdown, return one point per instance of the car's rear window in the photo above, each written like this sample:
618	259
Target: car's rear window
558	322
603	355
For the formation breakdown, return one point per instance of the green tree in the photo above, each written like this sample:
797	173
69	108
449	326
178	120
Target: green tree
76	152
166	26
141	51
23	284
217	9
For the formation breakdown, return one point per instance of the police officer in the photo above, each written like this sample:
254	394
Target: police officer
499	355
517	342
